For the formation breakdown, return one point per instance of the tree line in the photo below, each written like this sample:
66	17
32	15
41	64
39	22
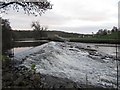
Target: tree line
105	31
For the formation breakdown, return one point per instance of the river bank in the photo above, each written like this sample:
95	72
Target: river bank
94	40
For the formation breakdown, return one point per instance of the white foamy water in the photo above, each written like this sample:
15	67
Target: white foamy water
65	61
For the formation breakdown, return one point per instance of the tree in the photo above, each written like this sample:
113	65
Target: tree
36	26
114	29
39	30
108	32
93	34
35	8
100	32
6	35
105	32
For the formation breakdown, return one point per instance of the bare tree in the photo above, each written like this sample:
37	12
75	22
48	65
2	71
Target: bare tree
36	26
35	8
39	30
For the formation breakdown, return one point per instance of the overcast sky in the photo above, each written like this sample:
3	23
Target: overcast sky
79	16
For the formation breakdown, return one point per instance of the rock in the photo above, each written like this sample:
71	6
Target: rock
102	57
91	52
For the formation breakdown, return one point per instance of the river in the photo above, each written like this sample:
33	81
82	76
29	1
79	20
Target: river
74	61
109	49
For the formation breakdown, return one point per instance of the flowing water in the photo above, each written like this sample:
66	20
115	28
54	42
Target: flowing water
105	48
68	60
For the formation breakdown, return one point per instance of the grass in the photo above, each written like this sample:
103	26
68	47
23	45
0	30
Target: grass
111	38
114	35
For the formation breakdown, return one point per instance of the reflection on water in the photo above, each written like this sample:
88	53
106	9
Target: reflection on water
19	46
21	49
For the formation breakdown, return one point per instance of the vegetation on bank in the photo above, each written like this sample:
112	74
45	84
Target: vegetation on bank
113	38
6	35
41	33
73	37
26	35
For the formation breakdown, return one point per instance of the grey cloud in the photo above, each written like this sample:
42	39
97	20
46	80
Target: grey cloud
87	29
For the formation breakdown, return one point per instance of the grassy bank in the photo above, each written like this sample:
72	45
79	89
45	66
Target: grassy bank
94	40
113	38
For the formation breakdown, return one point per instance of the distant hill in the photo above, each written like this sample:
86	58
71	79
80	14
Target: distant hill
22	34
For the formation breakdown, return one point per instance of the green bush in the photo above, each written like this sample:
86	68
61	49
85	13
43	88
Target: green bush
5	61
33	68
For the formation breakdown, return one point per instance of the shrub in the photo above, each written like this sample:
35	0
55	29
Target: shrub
33	68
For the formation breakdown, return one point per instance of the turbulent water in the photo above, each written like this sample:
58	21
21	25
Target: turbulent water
72	61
